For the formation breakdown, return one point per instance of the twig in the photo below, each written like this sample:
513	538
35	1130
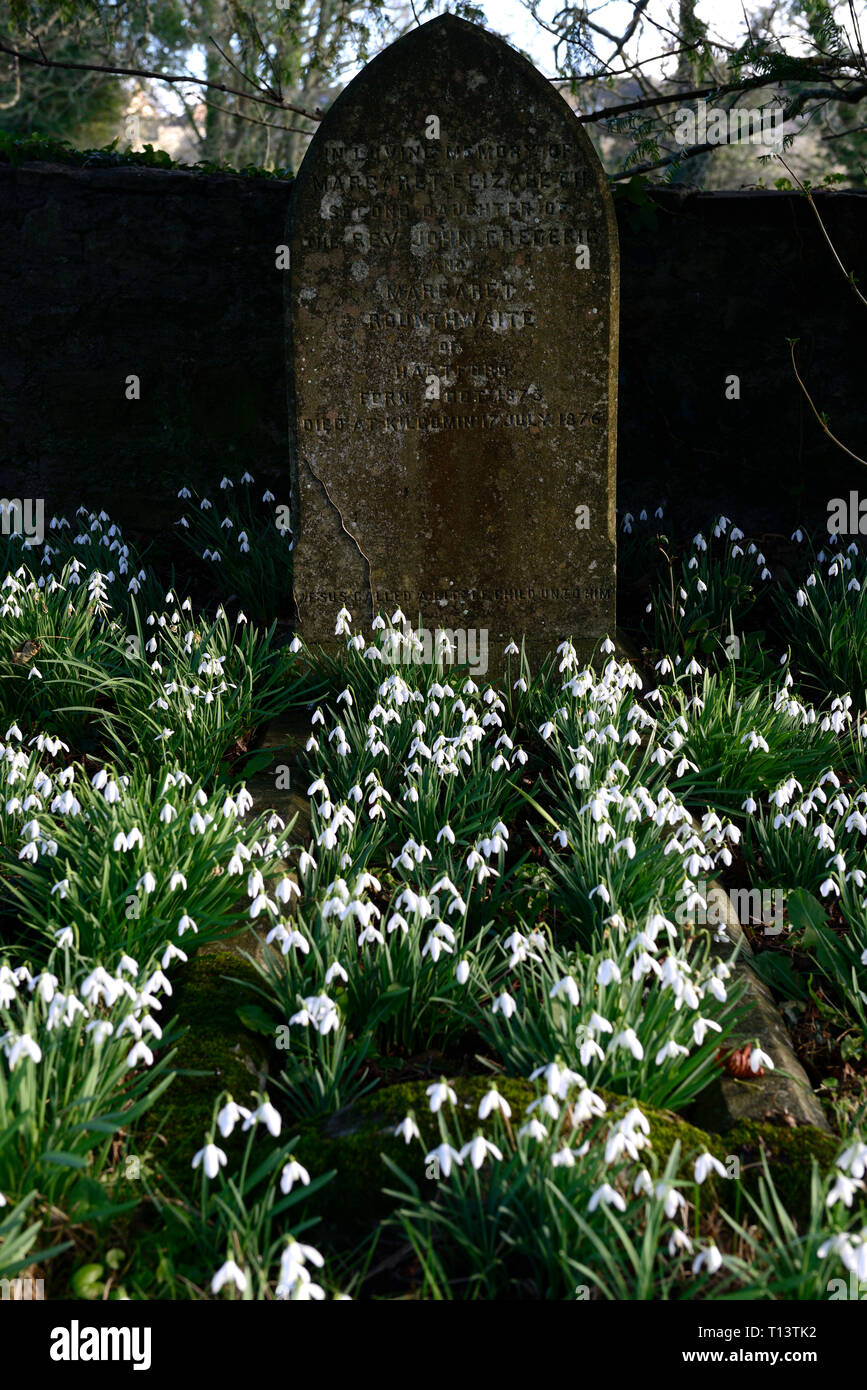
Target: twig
606	112
260	87
271	125
691	153
853	130
808	195
832	437
158	77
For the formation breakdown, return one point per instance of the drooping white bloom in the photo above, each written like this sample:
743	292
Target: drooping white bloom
229	1273
706	1164
407	1130
494	1101
608	1196
709	1259
477	1150
293	1172
212	1160
439	1093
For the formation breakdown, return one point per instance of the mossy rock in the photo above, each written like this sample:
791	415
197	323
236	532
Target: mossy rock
790	1153
206	997
354	1140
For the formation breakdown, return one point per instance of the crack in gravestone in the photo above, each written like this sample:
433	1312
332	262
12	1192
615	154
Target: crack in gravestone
329	499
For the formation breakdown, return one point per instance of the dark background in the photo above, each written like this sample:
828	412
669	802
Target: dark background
171	276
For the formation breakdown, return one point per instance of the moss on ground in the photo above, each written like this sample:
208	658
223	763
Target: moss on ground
215	1044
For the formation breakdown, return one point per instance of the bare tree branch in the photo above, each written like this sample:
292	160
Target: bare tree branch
253	120
277	103
692	153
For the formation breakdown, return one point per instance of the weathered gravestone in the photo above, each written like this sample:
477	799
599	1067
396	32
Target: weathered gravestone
453	306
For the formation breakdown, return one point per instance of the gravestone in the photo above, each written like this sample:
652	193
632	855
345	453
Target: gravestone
453	302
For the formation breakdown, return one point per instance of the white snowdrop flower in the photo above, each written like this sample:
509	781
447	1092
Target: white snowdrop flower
407	1130
22	1046
293	1172
853	1160
700	1028
706	1164
267	1115
285	889
608	1196
229	1273
504	1004
439	1093
229	1116
533	1129
589	1051
758	1059
568	987
709	1259
597	1024
494	1101
211	1158
672	1200
628	1039
444	1156
608	971
679	1241
138	1054
477	1150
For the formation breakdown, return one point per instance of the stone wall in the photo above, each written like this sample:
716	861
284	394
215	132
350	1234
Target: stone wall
171	277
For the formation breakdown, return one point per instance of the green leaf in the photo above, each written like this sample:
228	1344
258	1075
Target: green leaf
256	1019
777	970
63	1160
257	760
87	1281
806	913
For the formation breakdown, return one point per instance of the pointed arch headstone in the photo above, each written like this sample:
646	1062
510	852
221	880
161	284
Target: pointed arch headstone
453	324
